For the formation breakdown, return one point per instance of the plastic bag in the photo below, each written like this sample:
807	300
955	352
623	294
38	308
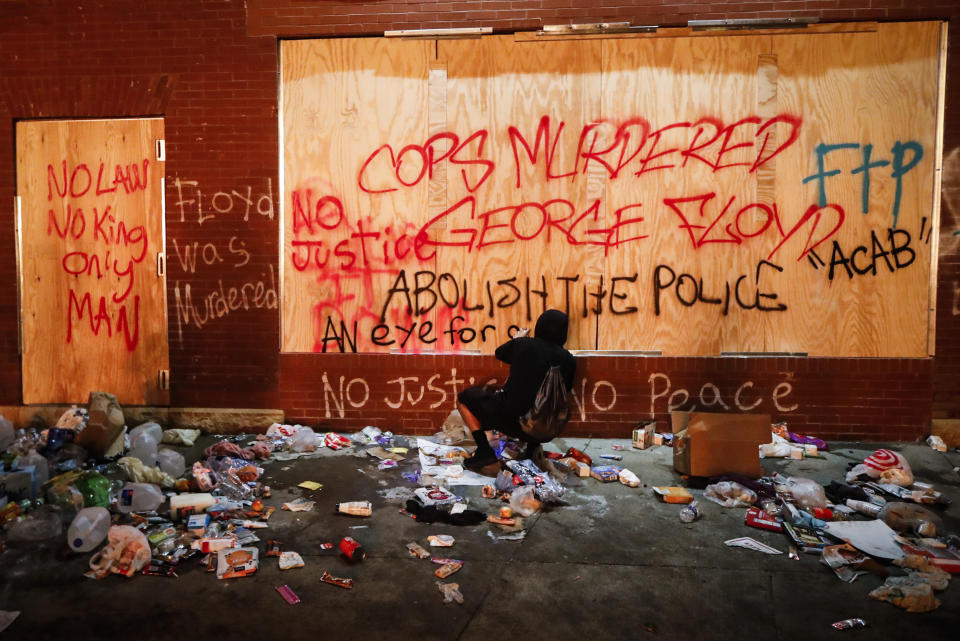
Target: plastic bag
305	440
451	592
546	488
909	517
180	437
524	502
127	552
551	408
886	465
730	494
137	472
95	488
806	493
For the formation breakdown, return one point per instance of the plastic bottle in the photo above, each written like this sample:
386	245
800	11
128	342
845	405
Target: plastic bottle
355	508
864	507
139	497
6	433
41	470
88	529
171	462
183	505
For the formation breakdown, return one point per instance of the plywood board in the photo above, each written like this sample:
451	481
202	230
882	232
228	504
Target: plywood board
93	305
665	190
354	192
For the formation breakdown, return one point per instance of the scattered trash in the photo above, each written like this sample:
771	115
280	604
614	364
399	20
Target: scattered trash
673	494
873	537
352	550
451	592
299	505
848	624
126	553
730	494
237	562
355	508
844	561
441	540
180	437
689	513
417	550
752	544
310	485
886	465
936	443
755	517
447	569
517	536
628	478
289	560
612	457
326	577
288	595
88	529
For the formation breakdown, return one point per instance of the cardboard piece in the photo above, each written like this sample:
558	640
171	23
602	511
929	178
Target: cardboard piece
708	444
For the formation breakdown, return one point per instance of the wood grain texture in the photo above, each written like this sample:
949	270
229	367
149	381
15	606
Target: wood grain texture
93	307
665	190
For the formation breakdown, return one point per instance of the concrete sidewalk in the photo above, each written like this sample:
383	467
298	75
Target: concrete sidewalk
612	562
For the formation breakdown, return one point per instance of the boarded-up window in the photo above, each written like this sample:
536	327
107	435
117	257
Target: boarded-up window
685	193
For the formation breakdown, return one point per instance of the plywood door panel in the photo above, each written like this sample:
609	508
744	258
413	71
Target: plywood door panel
93	305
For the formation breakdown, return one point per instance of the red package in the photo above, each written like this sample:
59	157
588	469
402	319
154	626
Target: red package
757	518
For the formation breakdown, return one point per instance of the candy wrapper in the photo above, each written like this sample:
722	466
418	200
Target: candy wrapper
290	560
326	577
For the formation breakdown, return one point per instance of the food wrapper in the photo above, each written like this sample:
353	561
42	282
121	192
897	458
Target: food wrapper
441	540
447	569
237	562
417	550
326	577
290	560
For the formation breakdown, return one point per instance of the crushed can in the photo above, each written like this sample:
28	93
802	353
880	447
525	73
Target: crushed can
351	549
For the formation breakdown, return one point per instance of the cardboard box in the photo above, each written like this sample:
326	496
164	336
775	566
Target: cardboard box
643	435
707	444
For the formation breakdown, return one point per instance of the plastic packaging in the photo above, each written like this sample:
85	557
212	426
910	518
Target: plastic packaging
807	493
351	549
355	508
689	513
41	524
304	440
95	488
523	501
909	517
886	465
730	494
41	469
183	505
7	433
88	529
451	592
545	487
171	462
151	429
126	553
139	497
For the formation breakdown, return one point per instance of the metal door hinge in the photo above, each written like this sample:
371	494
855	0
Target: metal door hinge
163	379
161	264
161	150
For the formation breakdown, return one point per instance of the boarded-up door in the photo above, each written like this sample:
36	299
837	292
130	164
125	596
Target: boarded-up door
91	241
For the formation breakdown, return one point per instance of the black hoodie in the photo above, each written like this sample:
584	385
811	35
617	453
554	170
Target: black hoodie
531	357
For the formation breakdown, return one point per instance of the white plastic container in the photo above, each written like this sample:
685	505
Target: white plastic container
139	497
88	529
144	447
152	429
171	462
183	505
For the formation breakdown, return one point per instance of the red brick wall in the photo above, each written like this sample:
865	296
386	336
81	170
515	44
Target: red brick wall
210	68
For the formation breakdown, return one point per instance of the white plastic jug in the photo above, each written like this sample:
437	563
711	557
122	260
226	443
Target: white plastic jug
139	497
88	529
183	505
144	447
171	462
152	429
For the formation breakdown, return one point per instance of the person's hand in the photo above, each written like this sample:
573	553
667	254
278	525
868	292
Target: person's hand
520	333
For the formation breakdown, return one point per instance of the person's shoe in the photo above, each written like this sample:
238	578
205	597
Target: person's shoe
479	461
